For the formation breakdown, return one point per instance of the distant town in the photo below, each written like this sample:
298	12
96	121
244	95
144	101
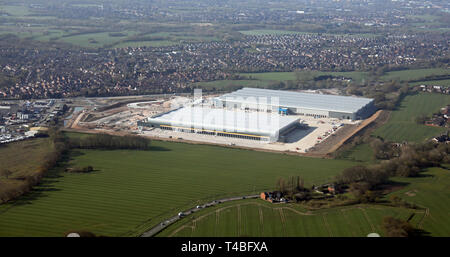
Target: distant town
24	119
58	73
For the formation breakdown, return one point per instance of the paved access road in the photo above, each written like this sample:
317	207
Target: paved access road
153	231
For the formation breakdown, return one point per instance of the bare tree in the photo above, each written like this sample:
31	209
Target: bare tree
5	173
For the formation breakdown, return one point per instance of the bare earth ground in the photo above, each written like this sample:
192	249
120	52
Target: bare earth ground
318	140
333	143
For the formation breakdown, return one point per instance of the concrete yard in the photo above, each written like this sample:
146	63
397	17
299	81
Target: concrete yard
123	119
298	140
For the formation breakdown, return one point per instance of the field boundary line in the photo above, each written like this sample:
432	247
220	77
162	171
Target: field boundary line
217	217
178	230
367	218
347	221
299	212
217	221
426	214
158	228
194	226
261	219
326	224
239	222
208	214
283	221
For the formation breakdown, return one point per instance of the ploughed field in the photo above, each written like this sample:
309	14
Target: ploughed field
130	191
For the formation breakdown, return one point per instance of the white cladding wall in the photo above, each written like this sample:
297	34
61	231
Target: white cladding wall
312	112
300	103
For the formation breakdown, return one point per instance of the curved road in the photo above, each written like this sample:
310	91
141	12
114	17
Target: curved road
156	229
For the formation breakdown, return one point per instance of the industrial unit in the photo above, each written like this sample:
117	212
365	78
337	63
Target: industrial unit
286	102
262	126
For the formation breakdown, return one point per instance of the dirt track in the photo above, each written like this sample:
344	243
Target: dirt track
333	143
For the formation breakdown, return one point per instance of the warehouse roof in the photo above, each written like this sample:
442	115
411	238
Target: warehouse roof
259	123
298	100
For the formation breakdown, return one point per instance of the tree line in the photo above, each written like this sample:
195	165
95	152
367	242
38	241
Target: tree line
60	145
412	159
109	142
26	182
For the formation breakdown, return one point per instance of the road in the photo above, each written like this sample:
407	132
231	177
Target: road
156	229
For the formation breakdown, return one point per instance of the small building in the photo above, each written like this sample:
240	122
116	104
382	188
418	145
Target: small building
273	197
442	139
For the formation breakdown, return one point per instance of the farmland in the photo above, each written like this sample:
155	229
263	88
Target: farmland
402	124
99	34
21	159
95	39
414	74
130	190
360	153
402	75
443	83
430	190
24	156
259	218
83	37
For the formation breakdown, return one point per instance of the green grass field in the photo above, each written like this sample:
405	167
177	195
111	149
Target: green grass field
257	218
359	153
21	159
154	43
223	84
402	125
72	31
414	74
24	157
430	190
132	190
95	39
403	75
260	218
15	10
443	83
284	76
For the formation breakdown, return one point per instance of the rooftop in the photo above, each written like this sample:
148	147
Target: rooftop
260	123
298	100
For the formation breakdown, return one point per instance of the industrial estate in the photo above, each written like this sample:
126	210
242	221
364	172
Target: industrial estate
261	114
199	118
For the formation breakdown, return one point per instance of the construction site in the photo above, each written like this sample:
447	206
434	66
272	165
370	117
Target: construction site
208	120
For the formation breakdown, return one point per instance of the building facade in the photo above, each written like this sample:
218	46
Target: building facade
307	104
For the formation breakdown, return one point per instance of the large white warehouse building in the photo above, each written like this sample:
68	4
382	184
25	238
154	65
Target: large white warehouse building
261	126
318	105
